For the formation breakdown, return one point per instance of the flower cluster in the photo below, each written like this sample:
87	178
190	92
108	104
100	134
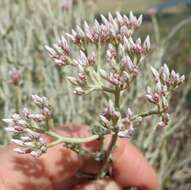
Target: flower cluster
136	46
165	82
29	141
42	103
112	120
107	58
110	116
26	128
110	30
118	68
128	128
60	52
15	76
120	74
122	56
113	30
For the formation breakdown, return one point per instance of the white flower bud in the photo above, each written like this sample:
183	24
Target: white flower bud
51	51
92	58
155	74
138	41
127	133
37	117
153	98
126	19
40	100
18	142
8	121
10	129
97	26
103	73
73	80
80	31
29	144
111	19
104	120
127	44
70	37
147	44
129	113
87	30
149	90
83	60
105	21
127	62
165	73
16	117
25	138
132	18
20	150
36	153
124	31
78	91
182	79
165	118
161	124
119	18
139	20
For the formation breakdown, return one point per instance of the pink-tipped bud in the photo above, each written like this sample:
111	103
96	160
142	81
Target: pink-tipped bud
153	98
155	74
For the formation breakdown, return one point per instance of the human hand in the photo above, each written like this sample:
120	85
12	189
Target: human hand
57	169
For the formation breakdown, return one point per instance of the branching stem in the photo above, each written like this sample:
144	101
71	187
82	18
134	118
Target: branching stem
76	140
113	140
145	114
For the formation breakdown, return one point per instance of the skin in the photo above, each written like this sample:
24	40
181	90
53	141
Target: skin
56	169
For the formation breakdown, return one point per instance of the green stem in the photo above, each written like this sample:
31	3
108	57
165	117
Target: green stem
106	89
112	143
18	100
117	97
145	114
76	140
54	143
108	156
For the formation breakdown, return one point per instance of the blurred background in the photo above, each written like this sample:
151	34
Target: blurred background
27	25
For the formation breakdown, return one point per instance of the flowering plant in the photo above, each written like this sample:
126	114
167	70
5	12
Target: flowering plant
103	57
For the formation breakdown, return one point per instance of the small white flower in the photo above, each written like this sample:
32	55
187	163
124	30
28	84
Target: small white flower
20	150
105	21
147	43
155	74
17	142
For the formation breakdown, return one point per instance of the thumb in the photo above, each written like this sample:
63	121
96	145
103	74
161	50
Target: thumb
130	168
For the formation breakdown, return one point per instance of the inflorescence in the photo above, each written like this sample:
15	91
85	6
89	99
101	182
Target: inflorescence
107	58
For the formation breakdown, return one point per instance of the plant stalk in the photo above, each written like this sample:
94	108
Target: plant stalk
113	140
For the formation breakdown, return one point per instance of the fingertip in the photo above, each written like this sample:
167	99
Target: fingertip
102	184
61	163
130	168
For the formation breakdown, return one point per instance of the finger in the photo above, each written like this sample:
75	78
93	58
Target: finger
105	184
130	168
52	170
22	172
61	163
